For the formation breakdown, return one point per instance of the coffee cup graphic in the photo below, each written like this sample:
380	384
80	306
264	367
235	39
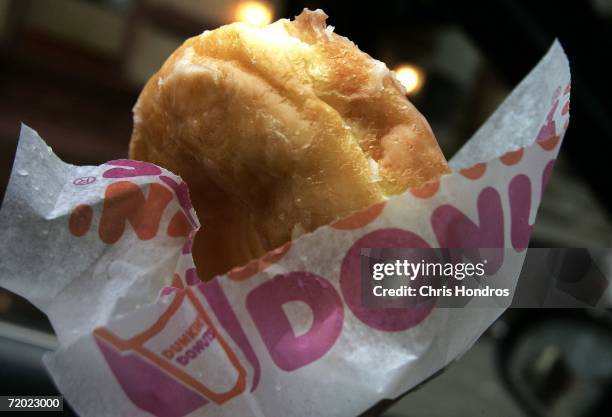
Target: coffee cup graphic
171	379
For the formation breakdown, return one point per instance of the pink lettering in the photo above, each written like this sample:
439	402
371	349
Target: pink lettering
198	347
134	169
389	320
290	352
546	175
454	229
227	318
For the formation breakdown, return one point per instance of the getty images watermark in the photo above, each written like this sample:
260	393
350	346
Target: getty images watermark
452	278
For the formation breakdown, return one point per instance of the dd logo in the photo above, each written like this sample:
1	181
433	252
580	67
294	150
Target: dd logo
84	180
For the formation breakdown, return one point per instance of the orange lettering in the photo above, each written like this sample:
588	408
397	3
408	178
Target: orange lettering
123	200
80	220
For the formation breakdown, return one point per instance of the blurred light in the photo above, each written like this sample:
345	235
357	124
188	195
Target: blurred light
411	77
253	12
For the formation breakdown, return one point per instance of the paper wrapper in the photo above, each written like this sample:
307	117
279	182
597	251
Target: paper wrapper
105	252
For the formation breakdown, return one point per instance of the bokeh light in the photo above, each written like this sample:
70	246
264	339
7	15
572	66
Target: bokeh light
254	13
411	77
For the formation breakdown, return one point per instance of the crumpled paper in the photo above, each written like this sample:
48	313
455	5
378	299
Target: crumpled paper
104	251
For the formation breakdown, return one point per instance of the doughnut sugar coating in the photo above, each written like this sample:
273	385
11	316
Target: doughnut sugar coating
277	131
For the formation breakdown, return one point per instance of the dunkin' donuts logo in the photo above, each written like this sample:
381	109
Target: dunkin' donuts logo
125	202
173	367
183	361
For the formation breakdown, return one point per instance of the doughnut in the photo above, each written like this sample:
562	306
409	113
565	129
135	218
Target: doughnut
277	131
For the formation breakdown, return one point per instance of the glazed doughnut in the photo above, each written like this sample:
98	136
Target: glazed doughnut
277	131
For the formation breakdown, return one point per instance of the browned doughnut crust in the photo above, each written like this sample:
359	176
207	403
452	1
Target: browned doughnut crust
277	131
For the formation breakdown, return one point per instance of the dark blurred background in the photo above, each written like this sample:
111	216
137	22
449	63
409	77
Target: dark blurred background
72	70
